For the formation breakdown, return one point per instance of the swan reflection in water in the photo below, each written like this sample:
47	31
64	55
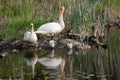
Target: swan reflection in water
53	62
31	59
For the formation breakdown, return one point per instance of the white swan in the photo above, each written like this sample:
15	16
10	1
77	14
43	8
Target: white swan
30	36
52	62
52	28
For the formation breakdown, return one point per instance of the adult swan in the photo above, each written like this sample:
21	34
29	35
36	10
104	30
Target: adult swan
52	28
30	36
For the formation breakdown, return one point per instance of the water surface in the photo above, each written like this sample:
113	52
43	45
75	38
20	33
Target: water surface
89	64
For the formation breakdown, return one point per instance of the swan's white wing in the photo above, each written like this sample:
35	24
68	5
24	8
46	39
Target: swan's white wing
52	27
27	36
50	62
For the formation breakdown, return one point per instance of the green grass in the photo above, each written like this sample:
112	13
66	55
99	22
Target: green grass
17	15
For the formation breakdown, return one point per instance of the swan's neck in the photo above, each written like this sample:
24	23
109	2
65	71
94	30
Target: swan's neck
32	29
61	22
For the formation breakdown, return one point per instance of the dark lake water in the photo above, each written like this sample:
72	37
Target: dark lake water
64	64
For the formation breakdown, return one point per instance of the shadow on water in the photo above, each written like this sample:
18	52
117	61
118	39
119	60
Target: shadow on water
64	64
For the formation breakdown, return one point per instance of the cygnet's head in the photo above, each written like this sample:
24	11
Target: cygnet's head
52	43
70	45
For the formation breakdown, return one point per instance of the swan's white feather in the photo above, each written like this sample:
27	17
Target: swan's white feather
52	28
26	36
30	36
33	37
